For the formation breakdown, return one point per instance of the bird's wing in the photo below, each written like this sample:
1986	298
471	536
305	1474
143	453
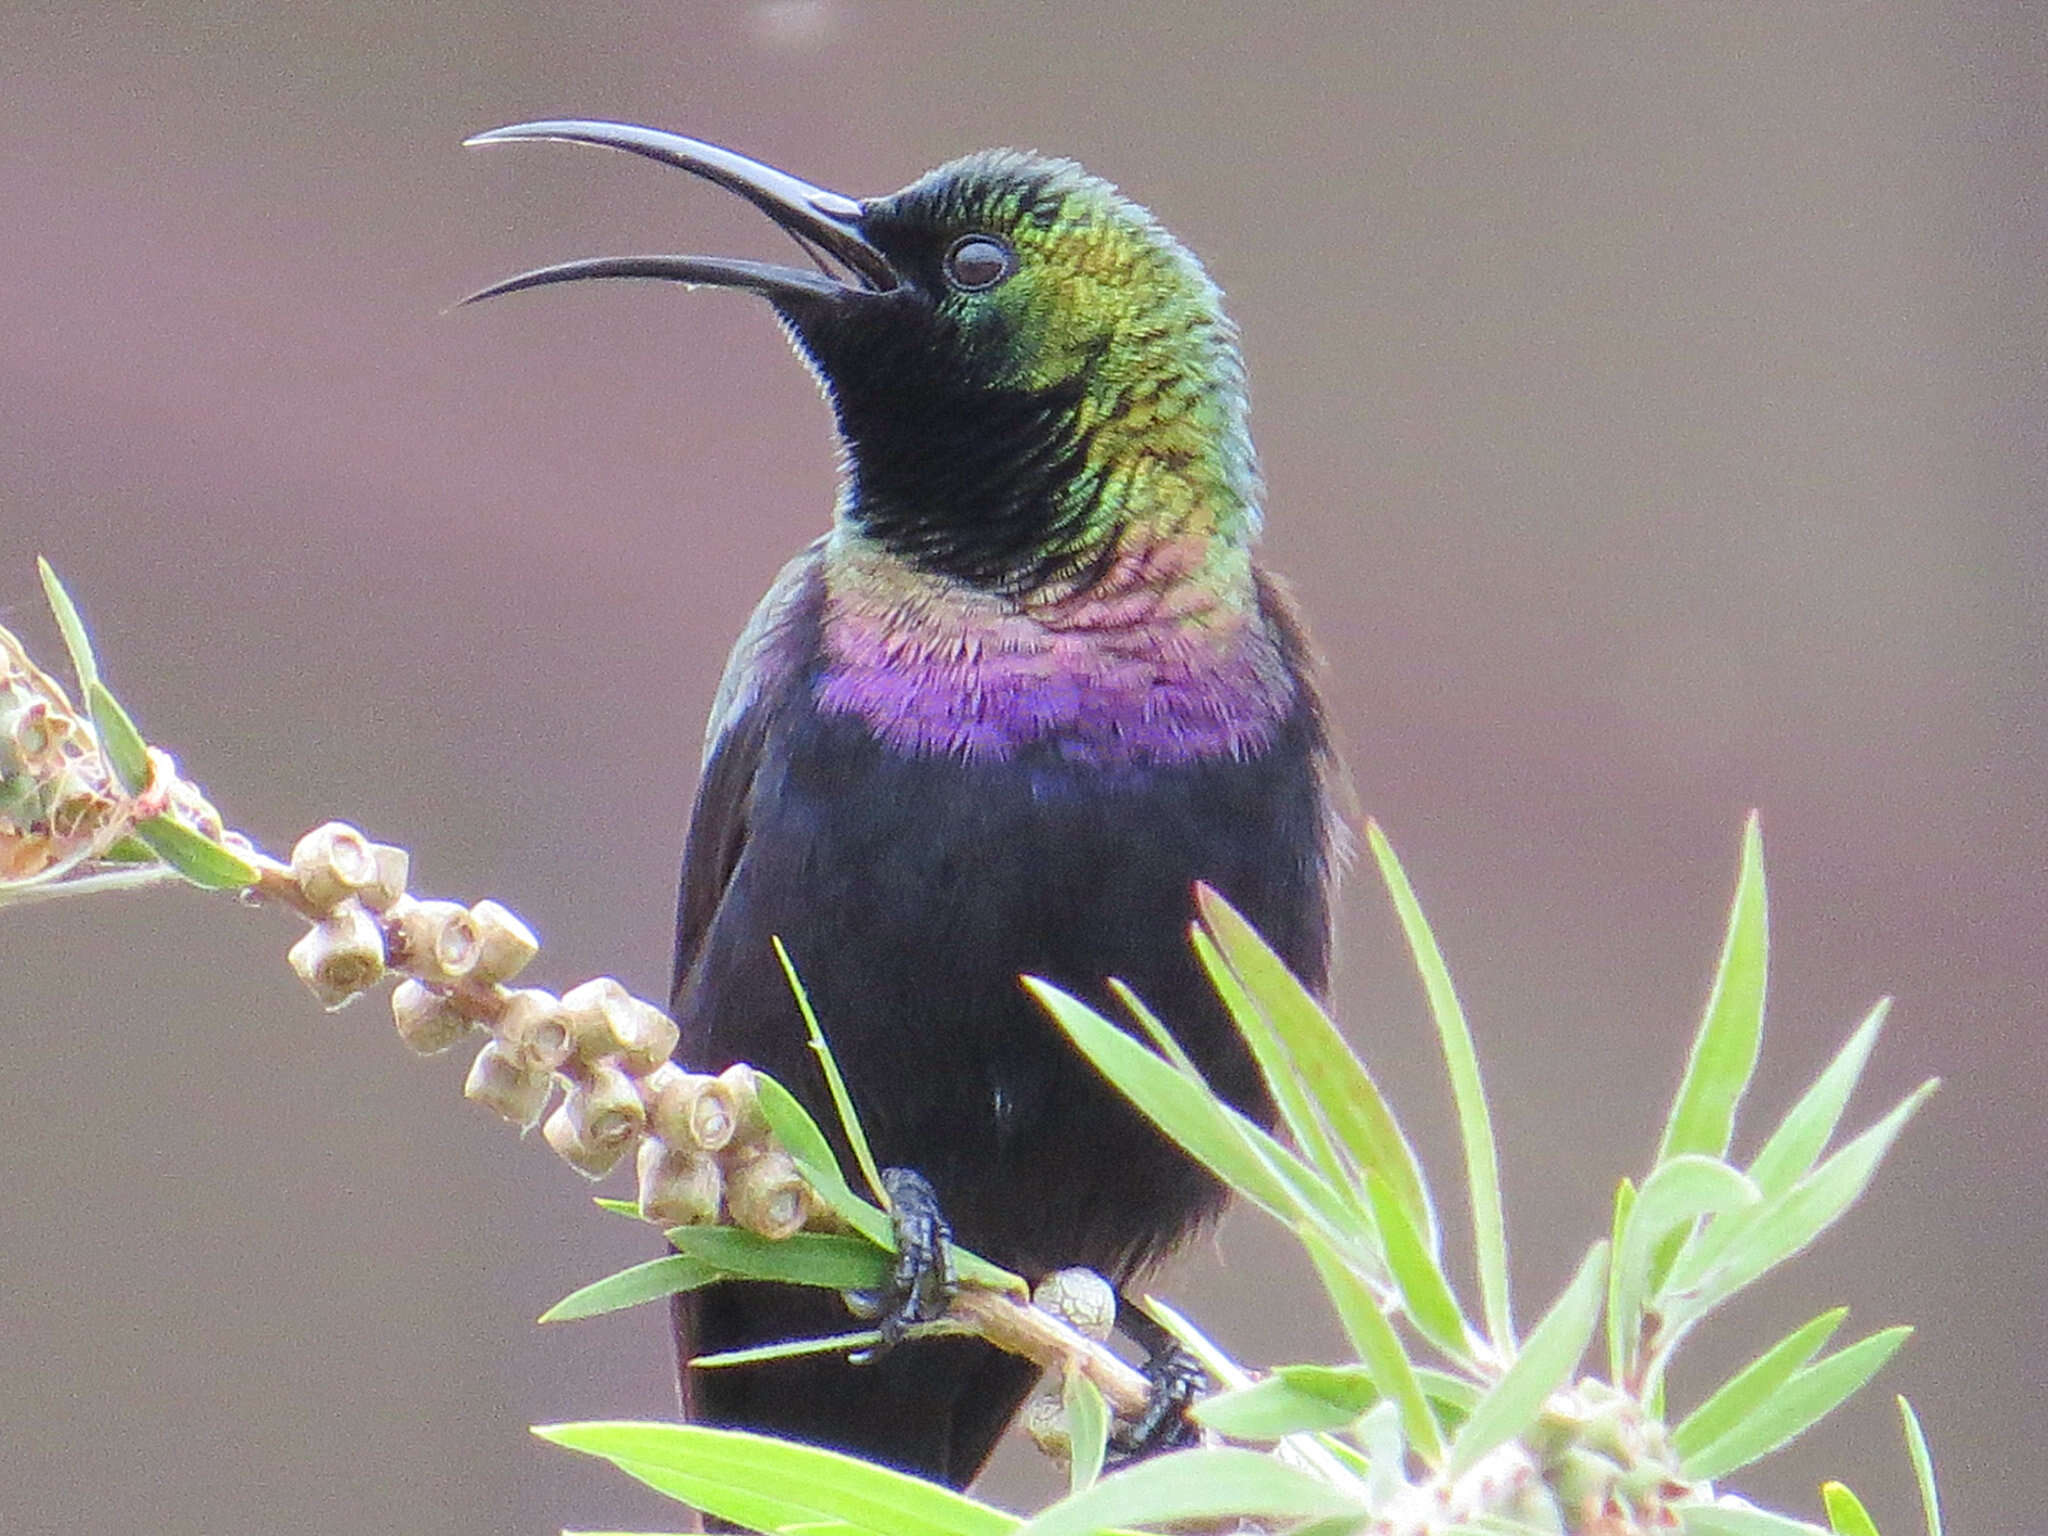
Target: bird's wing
768	650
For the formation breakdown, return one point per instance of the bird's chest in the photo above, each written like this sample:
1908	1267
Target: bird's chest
993	687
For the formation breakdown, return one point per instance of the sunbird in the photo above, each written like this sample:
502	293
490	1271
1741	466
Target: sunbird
1029	688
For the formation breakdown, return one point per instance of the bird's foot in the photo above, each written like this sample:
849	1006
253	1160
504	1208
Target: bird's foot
1177	1380
922	1283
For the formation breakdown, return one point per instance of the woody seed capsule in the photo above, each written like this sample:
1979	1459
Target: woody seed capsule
500	1083
767	1195
606	1105
749	1125
428	1021
667	1092
678	1188
394	867
591	1159
688	1109
1081	1299
1045	1421
607	1020
340	955
596	1124
438	939
331	863
534	1029
504	943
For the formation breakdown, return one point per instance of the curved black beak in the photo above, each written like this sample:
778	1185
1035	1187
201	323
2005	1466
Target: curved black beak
824	223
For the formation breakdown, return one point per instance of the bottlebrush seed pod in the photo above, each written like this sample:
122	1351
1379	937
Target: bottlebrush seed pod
749	1125
499	1082
691	1110
534	1030
437	940
767	1195
1045	1421
596	1124
591	1159
331	863
605	1106
1081	1299
607	1020
668	1092
394	868
504	943
428	1021
340	955
678	1188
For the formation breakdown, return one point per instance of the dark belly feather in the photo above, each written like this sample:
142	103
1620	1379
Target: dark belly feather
911	893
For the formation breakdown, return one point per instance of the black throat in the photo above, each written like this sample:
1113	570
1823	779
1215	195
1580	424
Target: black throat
989	485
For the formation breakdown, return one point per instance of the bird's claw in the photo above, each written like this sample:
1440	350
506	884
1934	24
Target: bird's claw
922	1283
1177	1380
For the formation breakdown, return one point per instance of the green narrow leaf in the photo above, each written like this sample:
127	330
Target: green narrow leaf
1809	1396
628	1208
1623	1329
794	1349
780	1485
1379	1348
1425	1293
829	1259
1162	1038
629	1288
1208	1130
1546	1362
1192	1485
1846	1514
1276	1063
70	625
1475	1123
1289	1402
197	858
1725	1049
863	1156
1793	1148
1346	1094
1087	1430
1736	1398
1923	1466
1677	1193
120	741
1768	1234
1347	1387
1742	1520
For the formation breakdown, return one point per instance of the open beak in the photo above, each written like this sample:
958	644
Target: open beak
825	224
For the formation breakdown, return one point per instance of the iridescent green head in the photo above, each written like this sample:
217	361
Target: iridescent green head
1028	372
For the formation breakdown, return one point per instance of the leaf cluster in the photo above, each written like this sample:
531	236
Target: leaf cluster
1442	1397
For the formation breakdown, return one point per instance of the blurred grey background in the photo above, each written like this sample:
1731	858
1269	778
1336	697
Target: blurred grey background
1652	400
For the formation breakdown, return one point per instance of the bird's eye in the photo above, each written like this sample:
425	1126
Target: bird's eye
978	262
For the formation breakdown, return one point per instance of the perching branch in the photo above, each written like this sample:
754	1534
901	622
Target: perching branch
75	818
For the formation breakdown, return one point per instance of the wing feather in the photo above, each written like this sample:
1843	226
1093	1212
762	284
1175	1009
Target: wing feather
767	654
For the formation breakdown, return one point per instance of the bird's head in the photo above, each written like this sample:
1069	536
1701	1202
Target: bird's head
1029	374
